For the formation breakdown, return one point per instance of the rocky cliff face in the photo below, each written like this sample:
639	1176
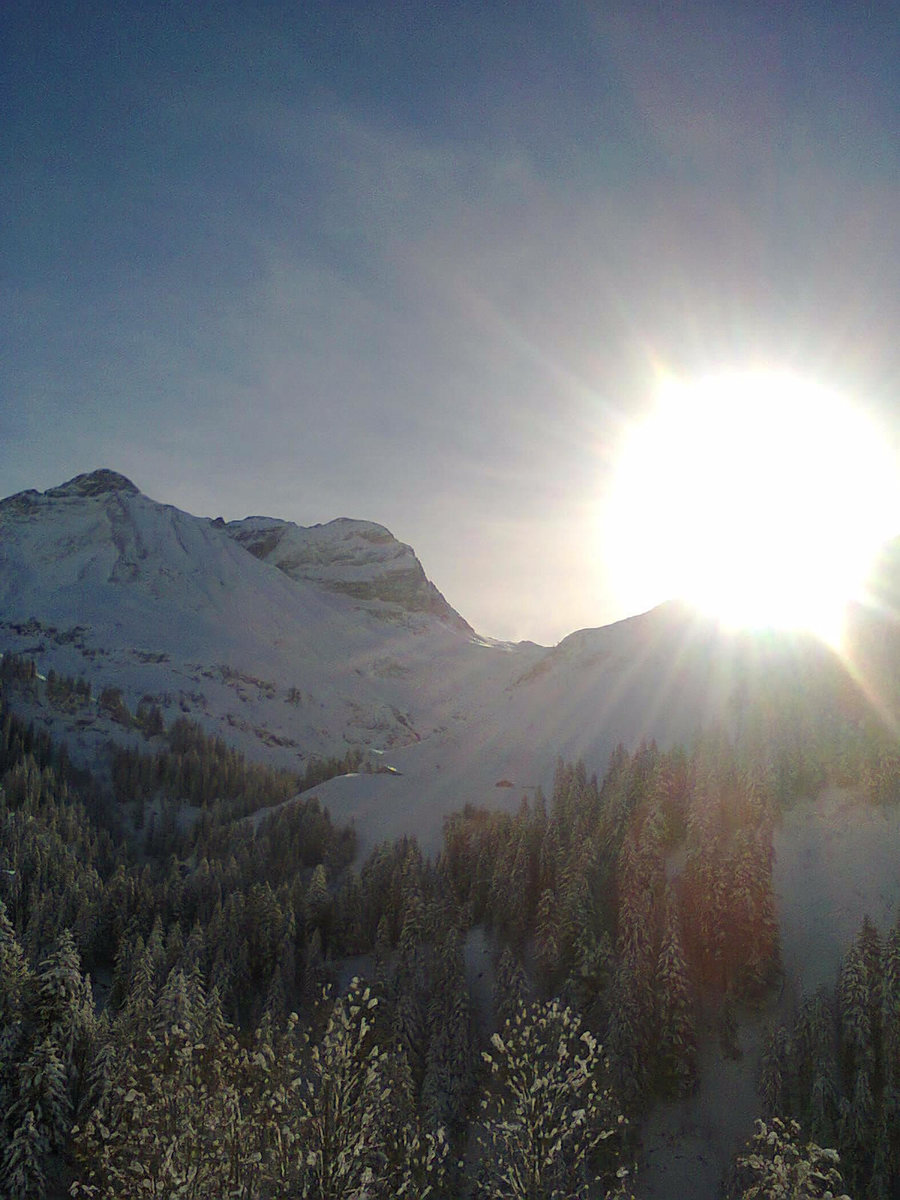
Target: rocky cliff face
95	483
355	558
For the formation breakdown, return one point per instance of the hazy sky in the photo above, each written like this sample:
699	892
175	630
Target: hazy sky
417	262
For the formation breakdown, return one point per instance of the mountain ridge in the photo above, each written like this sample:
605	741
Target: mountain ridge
360	559
293	642
98	580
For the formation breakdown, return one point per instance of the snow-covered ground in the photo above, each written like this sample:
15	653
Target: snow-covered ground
141	596
241	628
837	860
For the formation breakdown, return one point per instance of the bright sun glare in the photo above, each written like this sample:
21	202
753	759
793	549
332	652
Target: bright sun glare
758	497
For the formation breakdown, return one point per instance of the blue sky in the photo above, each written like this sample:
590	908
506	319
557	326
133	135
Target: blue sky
417	262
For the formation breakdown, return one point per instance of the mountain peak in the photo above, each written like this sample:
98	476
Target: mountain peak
95	483
356	558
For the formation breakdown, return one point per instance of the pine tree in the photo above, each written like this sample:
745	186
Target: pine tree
102	1070
547	938
408	1031
175	1013
349	922
781	1167
22	1171
340	1101
677	1042
628	1038
823	1109
890	1009
449	1062
43	1093
857	1129
318	906
816	1066
854	1002
548	1111
511	990
141	993
64	1011
194	952
168	1117
14	972
592	970
890	1118
868	941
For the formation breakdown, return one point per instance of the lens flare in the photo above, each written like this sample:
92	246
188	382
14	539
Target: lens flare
758	497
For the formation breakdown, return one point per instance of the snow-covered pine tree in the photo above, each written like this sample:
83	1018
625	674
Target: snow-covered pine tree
823	1110
64	1012
774	1075
890	1008
628	1037
170	1120
340	1103
449	1063
547	939
782	1167
14	972
43	1093
856	1130
511	990
22	1169
548	1110
854	1006
676	1053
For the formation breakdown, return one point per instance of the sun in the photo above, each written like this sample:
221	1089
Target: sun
758	497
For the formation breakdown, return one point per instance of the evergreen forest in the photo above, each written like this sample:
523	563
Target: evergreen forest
205	992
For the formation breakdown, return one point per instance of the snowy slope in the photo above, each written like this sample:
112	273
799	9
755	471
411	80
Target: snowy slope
292	642
96	579
659	675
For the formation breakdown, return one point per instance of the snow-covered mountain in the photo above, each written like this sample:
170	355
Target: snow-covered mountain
98	579
292	642
354	558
